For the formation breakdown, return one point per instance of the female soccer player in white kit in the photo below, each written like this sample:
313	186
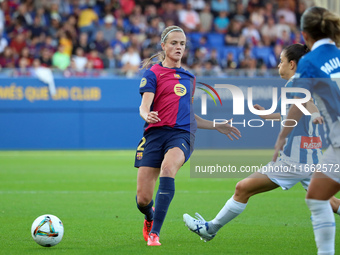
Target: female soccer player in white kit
319	72
303	148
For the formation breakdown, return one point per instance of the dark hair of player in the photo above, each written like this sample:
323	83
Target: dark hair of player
295	52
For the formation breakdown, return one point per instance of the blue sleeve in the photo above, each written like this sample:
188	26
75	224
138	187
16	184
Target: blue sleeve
303	77
148	82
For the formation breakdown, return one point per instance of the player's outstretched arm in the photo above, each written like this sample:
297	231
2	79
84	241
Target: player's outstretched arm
144	109
226	129
274	116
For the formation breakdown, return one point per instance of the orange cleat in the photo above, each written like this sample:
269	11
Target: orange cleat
153	240
147	227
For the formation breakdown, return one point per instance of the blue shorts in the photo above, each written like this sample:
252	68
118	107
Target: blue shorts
157	141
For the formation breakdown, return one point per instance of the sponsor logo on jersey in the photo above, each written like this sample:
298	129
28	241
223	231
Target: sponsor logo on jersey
139	155
142	83
180	90
177	76
310	142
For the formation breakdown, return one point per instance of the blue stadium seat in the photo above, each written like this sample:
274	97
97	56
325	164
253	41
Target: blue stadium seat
264	53
215	40
235	50
194	38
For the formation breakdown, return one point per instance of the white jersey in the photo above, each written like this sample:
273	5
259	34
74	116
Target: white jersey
303	144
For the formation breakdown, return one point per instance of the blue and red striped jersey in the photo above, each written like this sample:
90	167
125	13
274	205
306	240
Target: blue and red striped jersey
174	90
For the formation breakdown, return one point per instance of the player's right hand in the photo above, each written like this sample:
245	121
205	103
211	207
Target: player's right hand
280	142
259	107
318	120
152	117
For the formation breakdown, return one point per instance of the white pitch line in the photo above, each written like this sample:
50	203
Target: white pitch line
33	192
84	192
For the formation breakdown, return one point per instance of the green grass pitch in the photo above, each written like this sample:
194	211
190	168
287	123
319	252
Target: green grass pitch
93	193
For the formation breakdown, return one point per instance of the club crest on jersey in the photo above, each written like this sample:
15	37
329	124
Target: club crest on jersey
142	83
180	90
177	76
139	155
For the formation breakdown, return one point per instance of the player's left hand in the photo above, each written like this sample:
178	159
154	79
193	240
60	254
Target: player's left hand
229	131
280	142
318	120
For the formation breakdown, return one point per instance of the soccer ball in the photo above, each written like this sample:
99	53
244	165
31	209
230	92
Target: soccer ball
47	230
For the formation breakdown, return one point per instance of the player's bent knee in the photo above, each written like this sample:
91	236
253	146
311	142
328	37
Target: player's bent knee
168	171
143	200
241	189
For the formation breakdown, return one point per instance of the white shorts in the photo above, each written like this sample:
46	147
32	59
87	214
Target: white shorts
286	173
330	163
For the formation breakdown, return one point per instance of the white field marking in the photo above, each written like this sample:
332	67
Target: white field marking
40	154
108	180
68	181
33	192
92	191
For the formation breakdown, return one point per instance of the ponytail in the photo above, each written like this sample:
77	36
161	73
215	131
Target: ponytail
148	61
320	23
330	25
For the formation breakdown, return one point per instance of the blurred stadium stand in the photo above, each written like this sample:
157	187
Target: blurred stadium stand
47	34
47	24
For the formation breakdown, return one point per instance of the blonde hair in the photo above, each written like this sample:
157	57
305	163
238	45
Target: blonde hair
320	23
161	55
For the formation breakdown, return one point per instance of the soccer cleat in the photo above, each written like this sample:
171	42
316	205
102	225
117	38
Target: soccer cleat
198	226
153	240
147	227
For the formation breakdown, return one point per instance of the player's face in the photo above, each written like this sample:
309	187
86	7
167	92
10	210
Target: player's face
283	66
174	46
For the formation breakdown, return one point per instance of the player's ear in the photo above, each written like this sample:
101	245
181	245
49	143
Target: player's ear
163	46
305	36
303	33
292	65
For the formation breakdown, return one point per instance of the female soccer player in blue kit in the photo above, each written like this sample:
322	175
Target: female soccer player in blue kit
302	149
167	96
316	72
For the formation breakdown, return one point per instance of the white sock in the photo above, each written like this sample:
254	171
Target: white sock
323	225
229	211
338	211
